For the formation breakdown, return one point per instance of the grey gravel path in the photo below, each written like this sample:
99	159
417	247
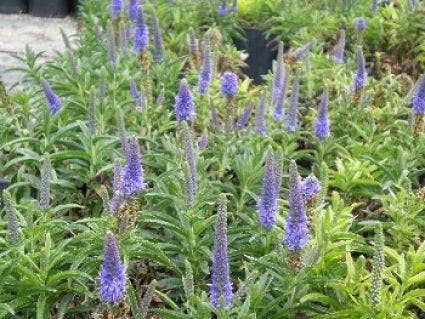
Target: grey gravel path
41	34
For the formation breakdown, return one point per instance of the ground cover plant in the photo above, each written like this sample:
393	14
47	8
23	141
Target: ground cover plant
144	176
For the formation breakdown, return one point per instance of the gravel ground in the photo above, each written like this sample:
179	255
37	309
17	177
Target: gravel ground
41	34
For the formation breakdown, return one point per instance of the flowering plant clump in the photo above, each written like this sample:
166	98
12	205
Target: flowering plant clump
160	167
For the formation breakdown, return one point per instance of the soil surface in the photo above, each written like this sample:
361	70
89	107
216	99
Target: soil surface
41	34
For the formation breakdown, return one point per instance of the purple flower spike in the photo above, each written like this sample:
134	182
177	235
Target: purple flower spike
229	84
116	8
184	105
310	187
267	205
260	121
203	142
321	125
300	52
205	76
133	9
137	95
278	111
141	33
244	118
296	233
221	285
222	9
132	175
340	47
278	73
52	99
375	5
112	274
418	100
157	39
234	8
360	24
291	122
361	73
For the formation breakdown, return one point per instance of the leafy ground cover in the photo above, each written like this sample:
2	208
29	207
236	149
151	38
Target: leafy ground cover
150	179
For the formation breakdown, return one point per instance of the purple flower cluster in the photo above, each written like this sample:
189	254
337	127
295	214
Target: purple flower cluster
205	76
291	122
296	233
267	204
340	47
52	99
419	97
137	95
244	118
112	274
112	51
360	24
132	176
321	125
193	43
229	84
184	106
310	187
117	7
222	9
133	9
141	33
221	285
190	159
234	8
361	74
300	52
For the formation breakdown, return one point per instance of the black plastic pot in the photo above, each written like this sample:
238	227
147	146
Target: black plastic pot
49	8
13	6
74	6
261	55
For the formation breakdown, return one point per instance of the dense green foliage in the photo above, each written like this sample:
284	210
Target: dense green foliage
366	253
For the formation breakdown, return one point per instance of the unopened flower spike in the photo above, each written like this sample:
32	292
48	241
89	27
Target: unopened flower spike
190	156
260	120
278	74
12	218
157	39
279	104
117	188
137	96
45	181
221	294
378	265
